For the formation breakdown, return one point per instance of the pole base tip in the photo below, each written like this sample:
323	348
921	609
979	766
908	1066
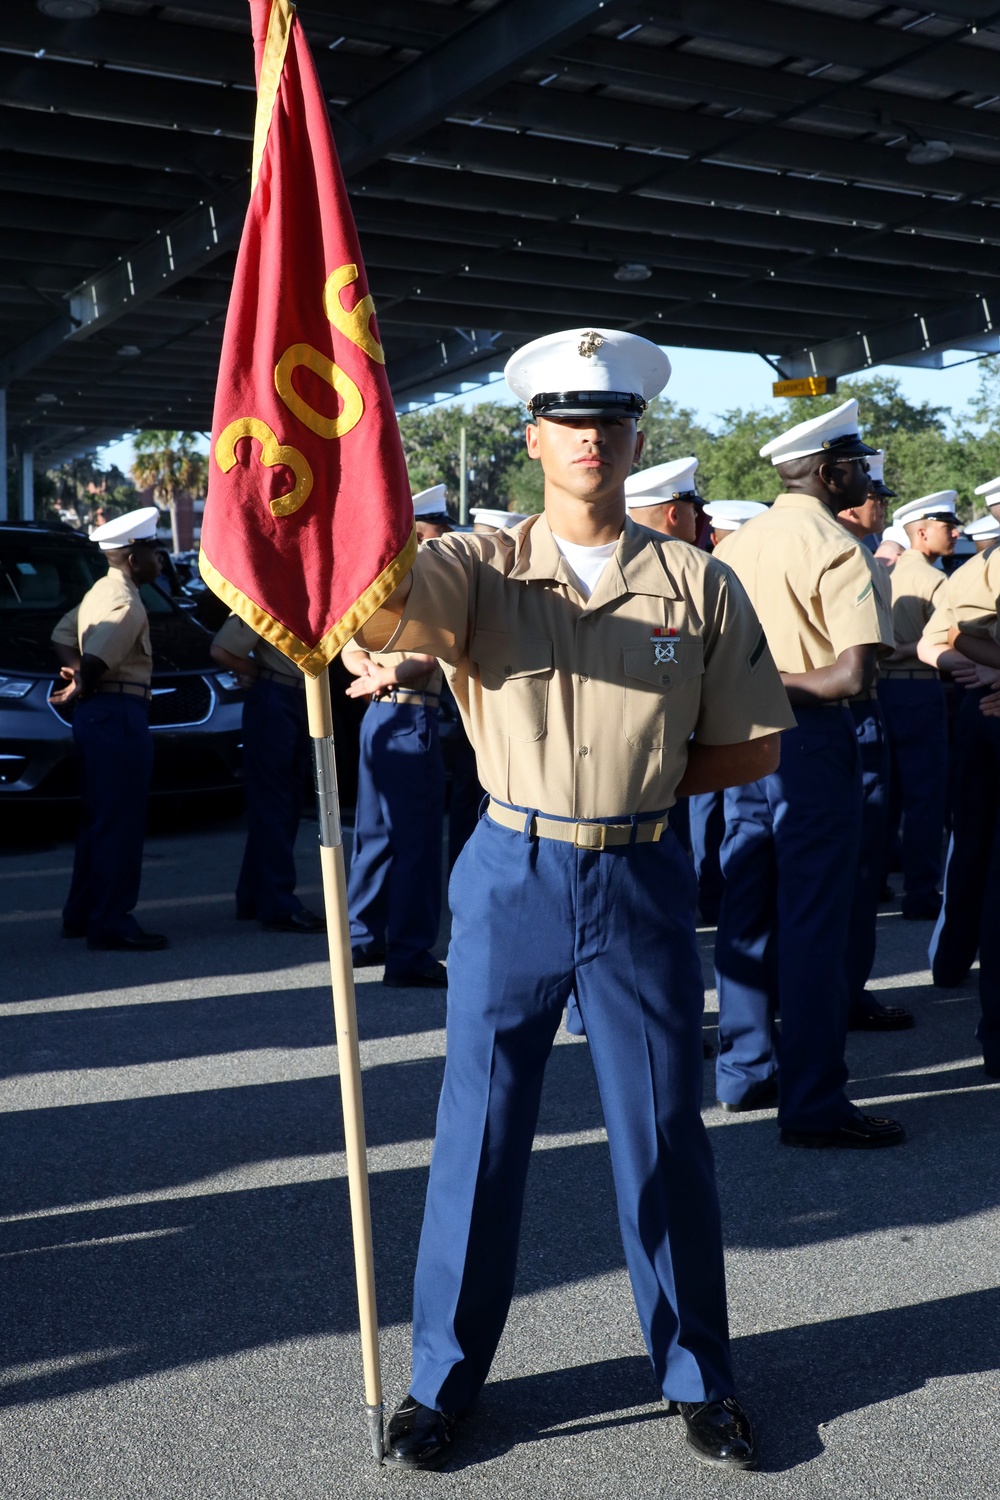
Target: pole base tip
376	1431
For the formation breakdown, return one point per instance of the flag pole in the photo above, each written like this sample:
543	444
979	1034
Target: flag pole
331	851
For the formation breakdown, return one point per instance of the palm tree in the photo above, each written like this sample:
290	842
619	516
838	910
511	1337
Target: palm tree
169	464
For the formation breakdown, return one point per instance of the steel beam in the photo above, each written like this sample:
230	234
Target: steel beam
919	339
493	48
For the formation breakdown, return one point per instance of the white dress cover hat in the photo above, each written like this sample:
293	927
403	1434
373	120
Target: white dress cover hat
134	526
588	372
834	432
669	481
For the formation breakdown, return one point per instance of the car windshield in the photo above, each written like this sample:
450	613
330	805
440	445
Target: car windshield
45	573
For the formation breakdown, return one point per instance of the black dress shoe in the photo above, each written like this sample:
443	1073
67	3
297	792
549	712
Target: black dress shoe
296	921
862	1132
719	1433
71	930
943	979
435	978
762	1095
874	1016
418	1437
136	942
363	955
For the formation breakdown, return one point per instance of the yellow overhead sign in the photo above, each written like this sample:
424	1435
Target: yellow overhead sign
810	385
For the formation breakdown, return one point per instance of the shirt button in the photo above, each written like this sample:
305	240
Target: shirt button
507	671
665	680
584	678
584	749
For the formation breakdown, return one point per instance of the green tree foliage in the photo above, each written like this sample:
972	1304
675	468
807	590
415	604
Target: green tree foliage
169	464
927	447
79	490
494	444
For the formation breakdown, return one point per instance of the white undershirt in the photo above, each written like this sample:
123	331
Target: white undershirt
586	563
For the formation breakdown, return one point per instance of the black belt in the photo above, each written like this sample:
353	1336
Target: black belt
134	689
406	695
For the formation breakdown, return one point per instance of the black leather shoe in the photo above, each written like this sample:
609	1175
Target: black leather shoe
70	930
762	1095
862	1132
418	1437
719	1433
136	942
942	979
877	1017
296	921
366	954
435	978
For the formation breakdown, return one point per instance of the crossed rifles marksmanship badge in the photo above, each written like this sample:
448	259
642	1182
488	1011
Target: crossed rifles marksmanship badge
664	643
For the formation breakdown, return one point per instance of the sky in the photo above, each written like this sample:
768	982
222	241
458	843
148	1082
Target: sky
710	383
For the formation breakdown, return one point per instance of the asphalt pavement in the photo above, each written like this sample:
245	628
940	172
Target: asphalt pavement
177	1304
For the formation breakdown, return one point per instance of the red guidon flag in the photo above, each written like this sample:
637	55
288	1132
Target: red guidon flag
308	525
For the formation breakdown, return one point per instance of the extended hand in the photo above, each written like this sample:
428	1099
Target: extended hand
72	689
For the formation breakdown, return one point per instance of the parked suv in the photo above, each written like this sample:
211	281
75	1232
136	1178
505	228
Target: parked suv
196	711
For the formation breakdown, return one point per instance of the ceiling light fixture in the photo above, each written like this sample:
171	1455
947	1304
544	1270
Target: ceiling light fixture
46	398
923	153
69	10
632	270
129	351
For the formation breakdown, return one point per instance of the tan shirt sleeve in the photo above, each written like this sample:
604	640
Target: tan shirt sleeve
67	631
114	637
742	696
853	609
438	611
236	636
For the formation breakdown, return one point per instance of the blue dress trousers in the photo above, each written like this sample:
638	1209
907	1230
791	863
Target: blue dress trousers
115	746
595	926
968	920
917	724
873	749
395	879
276	771
790	860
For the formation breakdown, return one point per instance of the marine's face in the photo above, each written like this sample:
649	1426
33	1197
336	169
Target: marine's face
676	518
427	531
941	537
144	563
872	514
588	458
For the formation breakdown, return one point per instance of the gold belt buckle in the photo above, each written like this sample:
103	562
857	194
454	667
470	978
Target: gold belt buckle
596	836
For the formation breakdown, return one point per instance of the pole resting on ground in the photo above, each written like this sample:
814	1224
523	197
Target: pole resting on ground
376	1431
327	796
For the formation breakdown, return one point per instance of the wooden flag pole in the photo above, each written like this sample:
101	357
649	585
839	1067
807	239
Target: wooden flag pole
331	850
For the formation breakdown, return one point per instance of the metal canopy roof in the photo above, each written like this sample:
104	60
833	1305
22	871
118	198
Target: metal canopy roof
506	159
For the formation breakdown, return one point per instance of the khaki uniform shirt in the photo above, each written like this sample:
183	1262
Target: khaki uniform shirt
967	598
915	582
578	708
111	623
237	637
811	583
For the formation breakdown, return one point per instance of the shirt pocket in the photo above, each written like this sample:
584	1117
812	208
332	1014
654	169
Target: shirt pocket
515	672
655	689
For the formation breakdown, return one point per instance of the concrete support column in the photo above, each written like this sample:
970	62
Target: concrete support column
28	486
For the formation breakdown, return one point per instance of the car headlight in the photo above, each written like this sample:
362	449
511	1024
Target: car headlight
15	687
